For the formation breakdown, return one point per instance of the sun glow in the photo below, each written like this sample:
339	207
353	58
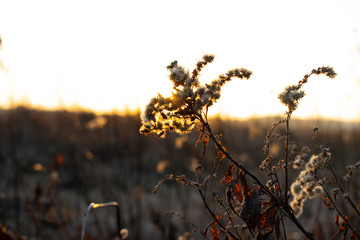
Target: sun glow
111	55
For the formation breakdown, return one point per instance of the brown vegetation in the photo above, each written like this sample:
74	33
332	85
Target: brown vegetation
53	164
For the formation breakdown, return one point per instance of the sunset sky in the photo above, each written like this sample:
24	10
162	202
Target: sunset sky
106	55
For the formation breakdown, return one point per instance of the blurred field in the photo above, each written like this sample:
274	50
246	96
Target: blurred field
54	164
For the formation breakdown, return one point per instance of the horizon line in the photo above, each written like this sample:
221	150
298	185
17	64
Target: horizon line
127	110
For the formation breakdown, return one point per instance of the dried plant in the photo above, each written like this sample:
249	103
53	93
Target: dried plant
121	233
189	100
262	206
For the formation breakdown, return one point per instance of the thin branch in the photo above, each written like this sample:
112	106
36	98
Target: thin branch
283	226
228	212
286	157
340	213
337	181
101	205
214	216
187	220
348	199
284	205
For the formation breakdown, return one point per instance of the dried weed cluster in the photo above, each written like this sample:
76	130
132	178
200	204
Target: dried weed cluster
292	94
179	112
261	206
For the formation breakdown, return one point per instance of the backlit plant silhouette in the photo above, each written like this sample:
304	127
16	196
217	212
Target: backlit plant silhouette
261	205
189	101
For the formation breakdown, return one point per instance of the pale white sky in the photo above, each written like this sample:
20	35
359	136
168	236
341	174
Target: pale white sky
106	55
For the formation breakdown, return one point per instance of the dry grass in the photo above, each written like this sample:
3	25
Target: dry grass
115	163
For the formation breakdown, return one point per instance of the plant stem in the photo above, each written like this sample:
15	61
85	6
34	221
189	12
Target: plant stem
348	199
283	205
228	212
286	157
340	214
214	216
283	226
101	205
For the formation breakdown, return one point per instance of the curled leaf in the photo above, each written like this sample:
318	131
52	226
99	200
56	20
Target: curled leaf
337	220
250	210
228	174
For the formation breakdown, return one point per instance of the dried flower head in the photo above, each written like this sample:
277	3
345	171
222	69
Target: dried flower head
307	186
298	162
179	112
292	94
350	169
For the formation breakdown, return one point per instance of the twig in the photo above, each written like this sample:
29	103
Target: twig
187	220
329	166
283	226
348	199
340	214
286	157
101	205
216	196
284	205
214	216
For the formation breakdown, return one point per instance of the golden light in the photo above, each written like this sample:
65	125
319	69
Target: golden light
111	55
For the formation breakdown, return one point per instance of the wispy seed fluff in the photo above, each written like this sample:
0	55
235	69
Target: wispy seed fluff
299	159
179	112
292	94
306	186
